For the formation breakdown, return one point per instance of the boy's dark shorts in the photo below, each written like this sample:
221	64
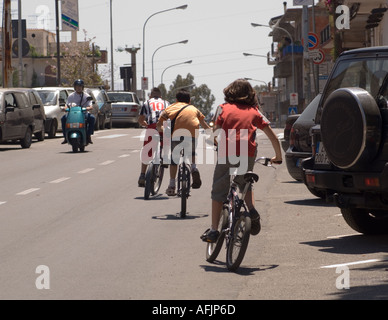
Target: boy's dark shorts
221	178
189	143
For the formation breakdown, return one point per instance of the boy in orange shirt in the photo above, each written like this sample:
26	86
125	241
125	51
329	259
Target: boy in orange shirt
186	125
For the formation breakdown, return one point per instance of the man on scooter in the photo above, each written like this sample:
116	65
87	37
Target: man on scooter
80	98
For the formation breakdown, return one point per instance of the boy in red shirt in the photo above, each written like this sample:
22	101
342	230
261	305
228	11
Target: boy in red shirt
239	118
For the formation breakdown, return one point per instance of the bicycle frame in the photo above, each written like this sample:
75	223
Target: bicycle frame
235	222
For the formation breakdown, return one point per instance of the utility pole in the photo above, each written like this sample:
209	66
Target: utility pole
7	44
20	43
58	43
133	52
111	50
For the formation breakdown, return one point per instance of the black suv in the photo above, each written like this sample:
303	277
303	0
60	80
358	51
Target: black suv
350	140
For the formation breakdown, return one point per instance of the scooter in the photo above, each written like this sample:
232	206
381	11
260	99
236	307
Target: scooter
75	131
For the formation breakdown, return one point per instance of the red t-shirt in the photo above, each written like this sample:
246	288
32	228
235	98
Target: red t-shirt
239	124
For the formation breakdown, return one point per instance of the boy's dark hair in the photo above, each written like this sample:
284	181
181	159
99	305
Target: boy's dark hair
156	93
183	96
240	91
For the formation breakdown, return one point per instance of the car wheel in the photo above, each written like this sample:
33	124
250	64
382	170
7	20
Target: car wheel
27	140
53	129
351	128
40	135
366	221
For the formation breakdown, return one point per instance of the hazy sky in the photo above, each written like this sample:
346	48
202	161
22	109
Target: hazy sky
219	31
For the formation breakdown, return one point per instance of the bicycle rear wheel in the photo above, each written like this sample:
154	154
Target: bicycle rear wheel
158	172
213	249
149	181
184	181
238	243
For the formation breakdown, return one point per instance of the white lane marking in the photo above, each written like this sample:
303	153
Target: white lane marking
112	136
60	180
3	202
124	155
350	263
86	170
25	192
106	162
134	151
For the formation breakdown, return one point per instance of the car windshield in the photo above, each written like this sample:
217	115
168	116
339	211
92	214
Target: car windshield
120	96
49	98
365	73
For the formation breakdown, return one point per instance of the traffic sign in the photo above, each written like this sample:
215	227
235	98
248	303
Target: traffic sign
318	56
294	99
312	41
144	83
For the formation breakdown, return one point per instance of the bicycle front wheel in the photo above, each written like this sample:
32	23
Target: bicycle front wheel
158	177
149	181
238	243
213	249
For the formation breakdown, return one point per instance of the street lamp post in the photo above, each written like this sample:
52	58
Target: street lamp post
177	64
180	7
292	49
166	45
254	55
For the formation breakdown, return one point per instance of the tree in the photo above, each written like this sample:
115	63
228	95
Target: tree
201	96
77	62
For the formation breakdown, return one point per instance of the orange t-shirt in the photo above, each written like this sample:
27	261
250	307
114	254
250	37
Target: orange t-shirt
188	119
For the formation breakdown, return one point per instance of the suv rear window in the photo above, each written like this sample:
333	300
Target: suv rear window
367	74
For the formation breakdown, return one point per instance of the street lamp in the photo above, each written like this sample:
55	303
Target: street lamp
166	45
177	64
292	48
254	55
176	8
250	79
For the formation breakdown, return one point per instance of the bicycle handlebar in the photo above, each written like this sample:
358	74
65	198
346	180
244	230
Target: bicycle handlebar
267	161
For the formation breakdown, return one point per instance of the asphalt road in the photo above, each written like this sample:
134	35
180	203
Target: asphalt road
75	226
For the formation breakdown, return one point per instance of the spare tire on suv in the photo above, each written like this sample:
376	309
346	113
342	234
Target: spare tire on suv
351	128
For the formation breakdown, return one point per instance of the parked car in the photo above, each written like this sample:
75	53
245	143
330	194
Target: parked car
125	107
104	105
350	140
300	139
16	117
39	113
53	99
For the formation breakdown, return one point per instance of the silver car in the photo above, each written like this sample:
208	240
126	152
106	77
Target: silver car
125	107
53	99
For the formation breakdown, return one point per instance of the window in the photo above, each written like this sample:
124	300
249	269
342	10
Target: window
325	34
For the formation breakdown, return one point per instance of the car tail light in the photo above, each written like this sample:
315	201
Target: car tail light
310	178
292	137
372	182
134	109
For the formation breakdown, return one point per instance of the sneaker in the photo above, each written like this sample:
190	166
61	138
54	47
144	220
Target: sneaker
196	179
255	222
170	191
89	140
141	181
210	236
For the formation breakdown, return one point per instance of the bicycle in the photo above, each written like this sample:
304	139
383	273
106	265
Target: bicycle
154	174
235	223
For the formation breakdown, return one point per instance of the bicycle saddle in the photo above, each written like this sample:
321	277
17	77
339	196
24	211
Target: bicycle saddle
251	177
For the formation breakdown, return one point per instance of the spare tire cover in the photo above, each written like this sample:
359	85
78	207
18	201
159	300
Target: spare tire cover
351	128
